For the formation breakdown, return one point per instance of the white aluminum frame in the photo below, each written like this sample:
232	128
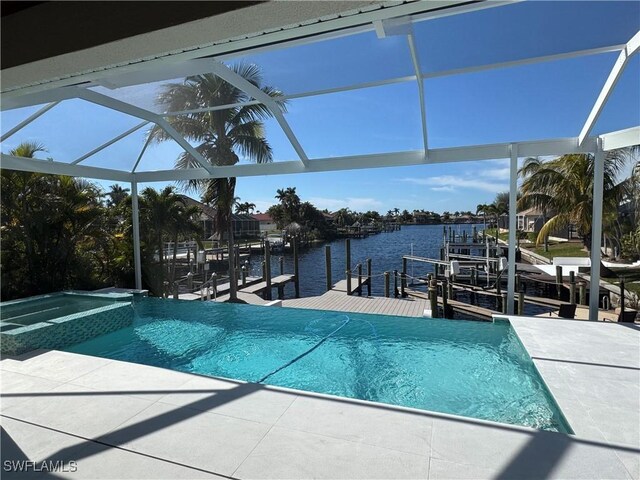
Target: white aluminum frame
169	67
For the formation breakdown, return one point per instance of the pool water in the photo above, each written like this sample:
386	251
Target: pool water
473	369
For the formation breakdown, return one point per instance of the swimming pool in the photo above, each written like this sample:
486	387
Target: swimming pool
473	369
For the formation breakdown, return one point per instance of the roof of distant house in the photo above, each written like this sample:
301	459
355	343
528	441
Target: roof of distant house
531	212
263	217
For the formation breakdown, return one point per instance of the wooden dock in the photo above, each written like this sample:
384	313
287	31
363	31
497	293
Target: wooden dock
276	282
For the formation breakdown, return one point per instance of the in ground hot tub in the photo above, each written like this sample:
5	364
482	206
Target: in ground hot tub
61	319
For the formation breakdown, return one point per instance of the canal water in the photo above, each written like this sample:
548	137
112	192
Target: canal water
385	251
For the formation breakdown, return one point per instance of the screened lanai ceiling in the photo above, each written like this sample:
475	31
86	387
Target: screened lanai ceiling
457	81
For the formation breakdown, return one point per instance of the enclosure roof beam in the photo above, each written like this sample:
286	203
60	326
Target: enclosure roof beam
395	159
630	48
12	162
110	142
118	105
413	49
620	139
28	120
231	77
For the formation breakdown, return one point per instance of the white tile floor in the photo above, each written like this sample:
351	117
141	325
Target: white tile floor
121	420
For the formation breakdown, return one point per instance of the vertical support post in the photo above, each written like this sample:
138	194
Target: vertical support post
348	273
404	266
386	284
395	283
403	285
572	287
214	285
445	302
475	234
136	234
558	280
264	271
327	266
596	231
347	248
244	276
582	290
281	264
520	302
369	277
505	306
513	197
296	268
433	298
621	297
359	267
267	269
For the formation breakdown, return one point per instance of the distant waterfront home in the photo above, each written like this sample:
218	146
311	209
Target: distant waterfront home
267	224
529	220
244	226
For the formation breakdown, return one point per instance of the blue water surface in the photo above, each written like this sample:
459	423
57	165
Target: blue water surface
473	369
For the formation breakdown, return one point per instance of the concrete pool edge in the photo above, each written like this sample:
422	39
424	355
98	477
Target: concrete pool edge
308	435
592	369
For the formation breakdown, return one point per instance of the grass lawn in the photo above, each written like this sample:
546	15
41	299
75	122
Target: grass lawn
563	249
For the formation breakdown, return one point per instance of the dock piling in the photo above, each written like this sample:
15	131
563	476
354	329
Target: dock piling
433	298
572	287
359	268
369	272
267	265
348	282
281	262
347	248
386	284
504	302
520	302
327	265
244	276
583	293
395	284
296	268
445	300
559	280
403	284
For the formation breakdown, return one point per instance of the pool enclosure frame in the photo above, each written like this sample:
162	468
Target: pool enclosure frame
385	21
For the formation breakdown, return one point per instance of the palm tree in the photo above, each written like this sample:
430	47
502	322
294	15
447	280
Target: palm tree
565	185
116	195
245	207
219	134
531	166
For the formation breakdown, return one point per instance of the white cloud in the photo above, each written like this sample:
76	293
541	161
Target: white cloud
449	183
446	188
496	173
354	203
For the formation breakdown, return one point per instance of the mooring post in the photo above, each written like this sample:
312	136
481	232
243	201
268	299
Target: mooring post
504	302
445	299
267	268
243	273
450	289
520	302
281	264
264	271
582	288
190	281
214	285
175	291
296	268
327	265
558	280
359	267
433	298
403	284
369	277
395	284
621	297
348	282
347	248
572	287
386	284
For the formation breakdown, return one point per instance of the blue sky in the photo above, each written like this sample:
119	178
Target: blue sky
531	102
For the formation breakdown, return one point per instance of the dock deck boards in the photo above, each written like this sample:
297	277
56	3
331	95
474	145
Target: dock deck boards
275	282
341	302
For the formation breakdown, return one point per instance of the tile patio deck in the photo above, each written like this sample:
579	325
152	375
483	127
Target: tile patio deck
123	420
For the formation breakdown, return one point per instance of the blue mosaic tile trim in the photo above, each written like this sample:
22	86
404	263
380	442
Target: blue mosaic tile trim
68	330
